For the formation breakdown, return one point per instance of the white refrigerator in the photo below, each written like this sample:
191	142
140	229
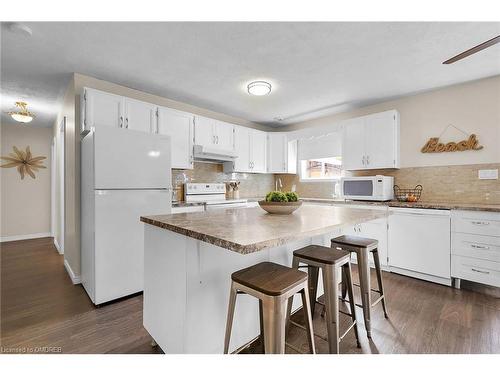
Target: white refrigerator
125	174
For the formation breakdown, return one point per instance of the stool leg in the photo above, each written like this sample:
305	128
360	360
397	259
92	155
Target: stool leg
364	281
331	287
295	265
312	280
261	322
306	307
274	324
376	260
346	268
230	315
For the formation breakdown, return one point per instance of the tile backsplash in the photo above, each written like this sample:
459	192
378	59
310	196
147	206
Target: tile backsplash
456	183
251	185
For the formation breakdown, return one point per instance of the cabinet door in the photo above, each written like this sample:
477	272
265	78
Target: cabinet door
204	132
381	139
291	163
353	145
103	109
179	126
258	151
277	150
242	147
140	116
224	135
419	240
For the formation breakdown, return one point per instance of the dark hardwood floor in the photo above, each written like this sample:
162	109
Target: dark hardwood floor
41	308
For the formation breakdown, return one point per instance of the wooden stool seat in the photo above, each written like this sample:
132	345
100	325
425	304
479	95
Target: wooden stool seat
322	254
272	284
269	278
355	241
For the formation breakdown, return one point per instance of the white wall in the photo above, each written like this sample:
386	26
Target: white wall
25	204
473	107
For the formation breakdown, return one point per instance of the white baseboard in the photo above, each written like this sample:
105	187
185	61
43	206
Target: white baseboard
56	244
422	276
75	279
20	237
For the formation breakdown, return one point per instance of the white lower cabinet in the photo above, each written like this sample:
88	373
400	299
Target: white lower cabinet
419	243
476	246
376	229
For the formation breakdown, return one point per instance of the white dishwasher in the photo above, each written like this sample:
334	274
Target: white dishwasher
419	243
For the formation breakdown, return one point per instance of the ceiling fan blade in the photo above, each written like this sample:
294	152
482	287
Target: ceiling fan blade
473	50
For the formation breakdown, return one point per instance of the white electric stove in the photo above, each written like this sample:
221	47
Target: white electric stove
213	195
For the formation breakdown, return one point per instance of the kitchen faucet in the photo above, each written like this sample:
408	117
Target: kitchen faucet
278	183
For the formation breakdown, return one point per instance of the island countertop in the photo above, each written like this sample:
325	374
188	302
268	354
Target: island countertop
247	230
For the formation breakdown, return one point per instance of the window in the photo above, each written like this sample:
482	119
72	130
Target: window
321	169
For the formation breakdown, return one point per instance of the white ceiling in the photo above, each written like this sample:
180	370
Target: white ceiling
315	68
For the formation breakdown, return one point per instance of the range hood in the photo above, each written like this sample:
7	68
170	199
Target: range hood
213	154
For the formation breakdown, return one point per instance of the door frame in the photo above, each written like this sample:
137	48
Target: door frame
57	165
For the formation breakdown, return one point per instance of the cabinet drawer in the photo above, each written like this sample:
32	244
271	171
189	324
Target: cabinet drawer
476	246
478	270
483	223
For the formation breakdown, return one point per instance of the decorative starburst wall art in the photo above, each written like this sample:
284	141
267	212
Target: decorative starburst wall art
24	161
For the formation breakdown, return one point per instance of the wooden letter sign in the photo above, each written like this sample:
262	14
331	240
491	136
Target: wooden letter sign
433	145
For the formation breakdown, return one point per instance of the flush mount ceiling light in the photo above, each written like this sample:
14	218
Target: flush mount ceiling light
22	114
259	88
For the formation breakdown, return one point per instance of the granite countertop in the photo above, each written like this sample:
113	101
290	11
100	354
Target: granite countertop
249	230
187	204
425	205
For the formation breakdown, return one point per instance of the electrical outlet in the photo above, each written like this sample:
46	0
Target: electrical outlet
488	174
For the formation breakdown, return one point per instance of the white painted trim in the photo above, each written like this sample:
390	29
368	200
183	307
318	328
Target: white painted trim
422	276
74	278
56	244
20	237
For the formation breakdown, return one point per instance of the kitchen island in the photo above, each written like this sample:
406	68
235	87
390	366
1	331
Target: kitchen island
189	258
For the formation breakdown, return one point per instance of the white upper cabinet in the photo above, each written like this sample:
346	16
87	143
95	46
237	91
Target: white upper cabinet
242	148
251	148
180	127
140	116
353	144
281	153
371	142
214	134
258	151
224	135
102	109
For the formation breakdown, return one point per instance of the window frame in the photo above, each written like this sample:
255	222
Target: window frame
306	179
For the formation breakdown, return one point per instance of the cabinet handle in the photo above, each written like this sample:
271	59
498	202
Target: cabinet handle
480	222
367	159
126	123
485	272
217	139
480	247
363	160
121	121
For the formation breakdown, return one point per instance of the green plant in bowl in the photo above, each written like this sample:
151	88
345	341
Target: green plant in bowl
292	196
276	196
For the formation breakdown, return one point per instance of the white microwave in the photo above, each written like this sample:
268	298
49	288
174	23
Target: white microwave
368	188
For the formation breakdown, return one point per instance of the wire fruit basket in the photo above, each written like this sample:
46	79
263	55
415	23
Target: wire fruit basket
408	195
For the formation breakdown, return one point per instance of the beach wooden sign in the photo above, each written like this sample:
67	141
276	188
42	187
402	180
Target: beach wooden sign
433	145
